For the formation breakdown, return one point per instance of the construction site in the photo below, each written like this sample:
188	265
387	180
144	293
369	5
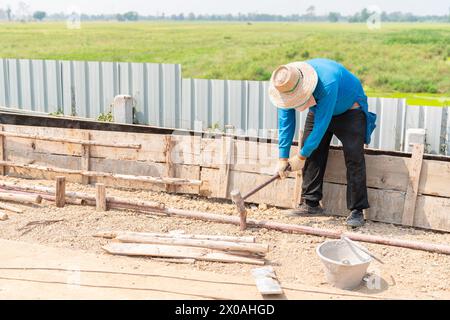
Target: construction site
116	211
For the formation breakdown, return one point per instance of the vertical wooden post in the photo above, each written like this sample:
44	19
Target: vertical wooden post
85	157
2	152
224	170
414	168
60	196
100	197
170	169
297	198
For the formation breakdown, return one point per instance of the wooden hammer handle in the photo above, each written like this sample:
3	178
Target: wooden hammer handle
272	179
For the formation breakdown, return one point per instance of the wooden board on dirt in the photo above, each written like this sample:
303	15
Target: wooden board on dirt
138	249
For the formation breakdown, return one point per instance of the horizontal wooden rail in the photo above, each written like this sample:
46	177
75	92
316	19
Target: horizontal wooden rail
155	180
69	140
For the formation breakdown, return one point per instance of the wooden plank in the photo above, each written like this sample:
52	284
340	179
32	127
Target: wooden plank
156	180
415	166
138	249
152	145
266	281
131	237
69	140
85	156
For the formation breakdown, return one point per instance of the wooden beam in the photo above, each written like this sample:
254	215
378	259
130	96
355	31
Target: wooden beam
156	180
100	197
85	156
257	248
113	234
139	249
70	140
60	193
10	208
116	202
415	167
21	198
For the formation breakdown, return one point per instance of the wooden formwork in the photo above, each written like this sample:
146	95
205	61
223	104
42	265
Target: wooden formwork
401	190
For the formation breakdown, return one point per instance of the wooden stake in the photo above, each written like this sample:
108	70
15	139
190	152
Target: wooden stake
85	157
100	197
415	167
60	193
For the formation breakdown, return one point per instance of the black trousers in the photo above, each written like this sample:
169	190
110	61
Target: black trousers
350	129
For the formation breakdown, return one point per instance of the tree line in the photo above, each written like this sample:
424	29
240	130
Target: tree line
308	16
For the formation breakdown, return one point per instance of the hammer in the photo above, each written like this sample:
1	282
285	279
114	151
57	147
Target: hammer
238	199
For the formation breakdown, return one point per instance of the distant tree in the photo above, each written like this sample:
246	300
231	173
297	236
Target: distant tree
191	16
8	13
311	11
131	16
334	16
39	15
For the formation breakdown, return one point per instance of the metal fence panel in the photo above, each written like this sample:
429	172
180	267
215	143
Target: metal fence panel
163	98
4	83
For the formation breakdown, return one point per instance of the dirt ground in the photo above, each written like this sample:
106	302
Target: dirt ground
404	274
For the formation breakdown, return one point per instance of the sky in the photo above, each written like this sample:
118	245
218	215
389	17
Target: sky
146	7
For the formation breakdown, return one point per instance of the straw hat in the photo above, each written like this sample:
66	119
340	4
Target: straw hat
291	86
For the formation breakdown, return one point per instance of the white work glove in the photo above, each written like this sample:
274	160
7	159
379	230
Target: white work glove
295	162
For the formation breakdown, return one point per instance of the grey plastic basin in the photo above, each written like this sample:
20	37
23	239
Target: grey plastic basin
345	265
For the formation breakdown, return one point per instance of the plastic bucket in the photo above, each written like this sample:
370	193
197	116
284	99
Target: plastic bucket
345	265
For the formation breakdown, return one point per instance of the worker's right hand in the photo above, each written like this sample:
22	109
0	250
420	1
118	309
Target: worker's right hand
282	168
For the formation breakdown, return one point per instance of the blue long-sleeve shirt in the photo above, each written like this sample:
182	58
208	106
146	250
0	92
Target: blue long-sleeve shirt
337	91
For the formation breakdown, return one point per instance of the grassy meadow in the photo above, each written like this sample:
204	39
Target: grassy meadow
399	60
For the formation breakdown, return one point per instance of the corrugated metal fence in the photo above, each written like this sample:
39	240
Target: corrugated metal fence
163	98
87	89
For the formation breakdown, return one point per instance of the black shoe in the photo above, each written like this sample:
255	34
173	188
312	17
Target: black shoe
305	209
355	219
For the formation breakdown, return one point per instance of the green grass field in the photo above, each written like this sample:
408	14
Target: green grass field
399	60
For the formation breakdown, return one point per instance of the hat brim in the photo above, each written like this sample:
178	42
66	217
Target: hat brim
300	95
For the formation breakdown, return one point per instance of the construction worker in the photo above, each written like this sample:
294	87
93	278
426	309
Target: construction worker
336	104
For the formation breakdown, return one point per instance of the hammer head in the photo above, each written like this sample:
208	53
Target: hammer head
236	196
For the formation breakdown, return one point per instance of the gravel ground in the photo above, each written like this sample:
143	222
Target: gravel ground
405	273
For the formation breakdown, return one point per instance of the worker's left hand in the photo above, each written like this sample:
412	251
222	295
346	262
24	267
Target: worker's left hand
296	162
